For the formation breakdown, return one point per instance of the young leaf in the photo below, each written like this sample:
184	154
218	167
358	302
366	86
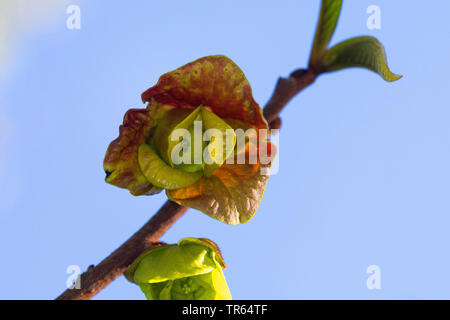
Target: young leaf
329	16
365	52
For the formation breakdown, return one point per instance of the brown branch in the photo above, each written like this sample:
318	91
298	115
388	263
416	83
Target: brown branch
97	278
285	90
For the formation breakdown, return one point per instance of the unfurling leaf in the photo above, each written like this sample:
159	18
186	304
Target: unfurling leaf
189	270
329	16
365	52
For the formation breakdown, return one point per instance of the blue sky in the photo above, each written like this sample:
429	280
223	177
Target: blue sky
364	175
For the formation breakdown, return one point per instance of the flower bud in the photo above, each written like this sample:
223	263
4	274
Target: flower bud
189	270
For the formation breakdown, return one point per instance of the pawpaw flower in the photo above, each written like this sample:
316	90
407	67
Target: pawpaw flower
189	270
176	142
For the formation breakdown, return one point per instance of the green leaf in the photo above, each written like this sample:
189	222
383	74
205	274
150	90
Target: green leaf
365	52
329	16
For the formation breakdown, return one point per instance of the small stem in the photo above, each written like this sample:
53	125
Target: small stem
285	90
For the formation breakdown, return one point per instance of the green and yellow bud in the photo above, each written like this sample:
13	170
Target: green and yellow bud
189	270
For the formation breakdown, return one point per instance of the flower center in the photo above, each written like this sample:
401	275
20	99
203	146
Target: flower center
194	140
187	288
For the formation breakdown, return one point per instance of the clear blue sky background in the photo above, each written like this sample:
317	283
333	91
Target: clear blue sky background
364	165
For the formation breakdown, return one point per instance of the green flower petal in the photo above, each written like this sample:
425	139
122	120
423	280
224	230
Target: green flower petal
162	175
213	122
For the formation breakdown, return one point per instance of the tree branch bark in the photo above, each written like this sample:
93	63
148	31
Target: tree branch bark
96	278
